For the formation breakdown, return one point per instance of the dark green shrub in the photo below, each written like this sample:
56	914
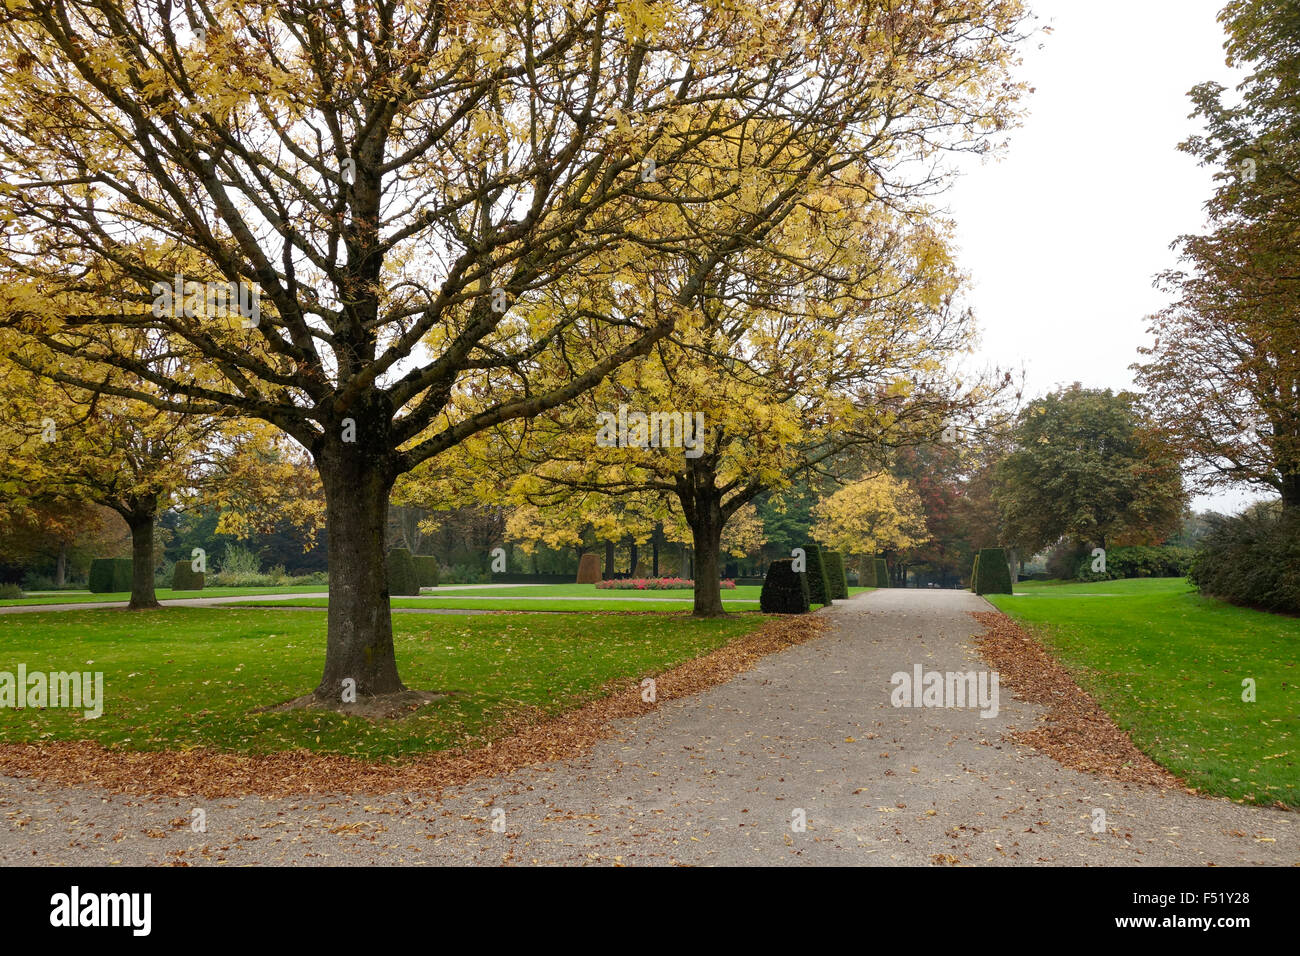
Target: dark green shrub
426	570
1063	560
401	573
785	590
819	582
834	562
9	591
1252	559
110	575
1138	562
185	578
882	573
994	574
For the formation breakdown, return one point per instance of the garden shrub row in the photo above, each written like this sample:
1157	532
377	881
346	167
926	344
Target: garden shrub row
1252	559
1165	561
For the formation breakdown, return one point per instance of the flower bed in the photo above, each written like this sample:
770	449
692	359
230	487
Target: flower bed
655	584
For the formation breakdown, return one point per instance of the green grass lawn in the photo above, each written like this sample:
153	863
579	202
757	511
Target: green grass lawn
180	678
163	594
1168	664
559	597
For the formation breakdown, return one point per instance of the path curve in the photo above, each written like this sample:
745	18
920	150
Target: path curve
718	778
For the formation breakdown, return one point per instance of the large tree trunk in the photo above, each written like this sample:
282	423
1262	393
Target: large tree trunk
609	560
654	552
140	521
1291	491
706	535
359	644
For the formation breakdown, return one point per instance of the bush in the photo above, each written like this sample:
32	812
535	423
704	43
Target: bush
402	579
1138	562
110	575
785	590
426	570
239	560
835	571
32	581
994	574
185	578
589	568
1063	560
464	574
819	582
882	573
1252	559
10	591
275	578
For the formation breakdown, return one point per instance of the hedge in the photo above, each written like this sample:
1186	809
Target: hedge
882	573
185	578
1138	562
110	575
1252	559
785	590
819	581
589	568
834	562
426	570
402	579
994	574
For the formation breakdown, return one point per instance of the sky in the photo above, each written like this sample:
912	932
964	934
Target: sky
1063	233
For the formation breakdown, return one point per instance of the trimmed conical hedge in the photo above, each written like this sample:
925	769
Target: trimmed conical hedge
401	573
110	575
992	573
426	570
882	573
819	582
185	578
834	562
785	590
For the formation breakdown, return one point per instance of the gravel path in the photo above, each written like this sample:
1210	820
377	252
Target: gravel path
717	779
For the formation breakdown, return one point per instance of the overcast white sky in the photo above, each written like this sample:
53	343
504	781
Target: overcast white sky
1065	231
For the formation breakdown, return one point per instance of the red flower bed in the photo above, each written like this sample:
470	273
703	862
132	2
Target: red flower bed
655	584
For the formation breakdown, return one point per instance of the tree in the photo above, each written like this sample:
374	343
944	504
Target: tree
397	186
1086	465
1222	377
875	514
836	333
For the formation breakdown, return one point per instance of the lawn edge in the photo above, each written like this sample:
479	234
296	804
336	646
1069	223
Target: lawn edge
1076	731
210	773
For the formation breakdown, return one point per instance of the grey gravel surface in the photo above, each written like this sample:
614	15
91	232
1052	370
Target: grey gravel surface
718	778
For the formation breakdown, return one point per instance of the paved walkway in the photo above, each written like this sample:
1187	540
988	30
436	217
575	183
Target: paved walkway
717	779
